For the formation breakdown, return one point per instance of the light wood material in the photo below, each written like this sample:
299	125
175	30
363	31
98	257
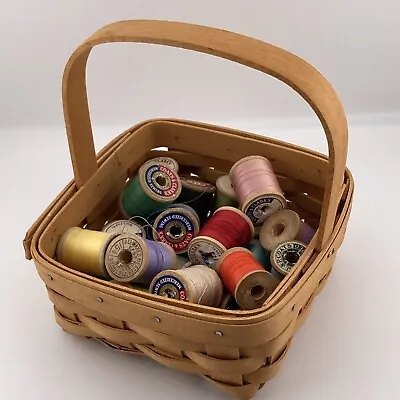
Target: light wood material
237	351
288	68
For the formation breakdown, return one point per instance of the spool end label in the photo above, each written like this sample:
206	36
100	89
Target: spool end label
287	254
169	286
205	252
260	209
180	222
162	181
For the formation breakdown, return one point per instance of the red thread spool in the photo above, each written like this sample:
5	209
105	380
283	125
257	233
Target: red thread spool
245	278
228	227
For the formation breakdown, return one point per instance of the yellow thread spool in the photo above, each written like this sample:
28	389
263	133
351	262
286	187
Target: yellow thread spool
84	250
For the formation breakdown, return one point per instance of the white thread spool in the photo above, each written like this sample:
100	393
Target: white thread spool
196	284
283	226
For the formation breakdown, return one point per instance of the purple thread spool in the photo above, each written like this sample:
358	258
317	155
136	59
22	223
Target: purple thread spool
129	258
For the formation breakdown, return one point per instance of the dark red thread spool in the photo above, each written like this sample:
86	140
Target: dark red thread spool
228	227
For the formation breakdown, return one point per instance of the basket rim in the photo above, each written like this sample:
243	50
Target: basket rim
67	195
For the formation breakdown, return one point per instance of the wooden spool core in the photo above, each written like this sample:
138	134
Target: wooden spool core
168	161
285	256
159	182
205	250
127	257
125	226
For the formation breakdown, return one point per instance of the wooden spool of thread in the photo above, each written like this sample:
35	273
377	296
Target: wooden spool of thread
257	188
84	250
225	195
260	254
198	194
285	256
155	187
176	226
283	226
129	258
168	161
125	226
197	284
245	278
228	227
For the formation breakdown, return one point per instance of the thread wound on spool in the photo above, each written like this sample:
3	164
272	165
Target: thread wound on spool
197	284
228	227
84	250
260	254
245	278
176	226
225	195
283	226
125	226
257	188
161	257
285	256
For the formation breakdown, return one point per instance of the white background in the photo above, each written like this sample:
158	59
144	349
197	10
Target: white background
348	347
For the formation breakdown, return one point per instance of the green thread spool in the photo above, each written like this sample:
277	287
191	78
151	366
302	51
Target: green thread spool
260	254
183	261
226	195
155	187
197	194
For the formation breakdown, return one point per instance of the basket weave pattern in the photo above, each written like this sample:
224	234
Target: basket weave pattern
236	350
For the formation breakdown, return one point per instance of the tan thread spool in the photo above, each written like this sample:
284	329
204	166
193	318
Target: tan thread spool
282	226
84	250
285	256
196	284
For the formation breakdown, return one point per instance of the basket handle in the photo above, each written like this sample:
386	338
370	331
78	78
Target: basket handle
288	68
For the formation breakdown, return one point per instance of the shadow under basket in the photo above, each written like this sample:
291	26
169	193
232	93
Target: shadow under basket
238	351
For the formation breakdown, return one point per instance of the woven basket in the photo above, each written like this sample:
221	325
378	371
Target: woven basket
238	351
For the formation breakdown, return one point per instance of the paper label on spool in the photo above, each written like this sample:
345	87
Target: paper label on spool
120	267
179	221
283	253
169	286
261	208
205	252
158	172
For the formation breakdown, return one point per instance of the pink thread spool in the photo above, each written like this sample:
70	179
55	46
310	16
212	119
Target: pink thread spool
257	188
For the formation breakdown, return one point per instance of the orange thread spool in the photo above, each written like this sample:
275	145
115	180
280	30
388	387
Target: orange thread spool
245	278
